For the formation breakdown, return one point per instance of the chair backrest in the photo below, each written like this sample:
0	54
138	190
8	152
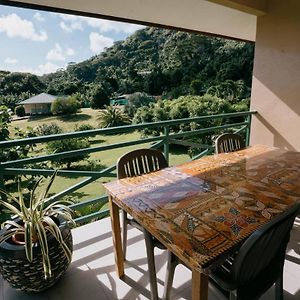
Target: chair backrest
139	162
264	249
229	142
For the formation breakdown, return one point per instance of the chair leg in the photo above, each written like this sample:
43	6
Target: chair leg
171	265
279	288
232	295
151	264
124	235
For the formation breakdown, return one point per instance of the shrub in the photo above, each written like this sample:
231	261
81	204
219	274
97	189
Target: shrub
65	106
48	129
84	127
20	111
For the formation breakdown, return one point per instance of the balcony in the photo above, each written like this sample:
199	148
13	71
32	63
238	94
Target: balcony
93	263
92	273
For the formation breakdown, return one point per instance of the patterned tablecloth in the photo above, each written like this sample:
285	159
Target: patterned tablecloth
203	208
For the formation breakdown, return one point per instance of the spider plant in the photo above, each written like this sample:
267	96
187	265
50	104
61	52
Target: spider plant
35	221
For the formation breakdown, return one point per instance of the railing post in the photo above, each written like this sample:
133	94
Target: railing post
3	198
166	142
249	118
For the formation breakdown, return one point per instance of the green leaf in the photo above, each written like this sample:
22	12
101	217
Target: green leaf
55	231
28	240
13	224
33	199
44	249
23	207
46	191
12	209
9	196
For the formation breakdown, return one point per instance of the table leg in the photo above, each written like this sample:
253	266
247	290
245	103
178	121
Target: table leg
116	234
199	285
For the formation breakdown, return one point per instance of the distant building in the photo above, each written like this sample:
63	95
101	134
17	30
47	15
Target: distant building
120	100
39	104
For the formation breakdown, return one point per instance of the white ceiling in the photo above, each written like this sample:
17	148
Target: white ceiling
198	15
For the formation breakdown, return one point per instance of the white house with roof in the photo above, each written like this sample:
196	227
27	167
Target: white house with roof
39	104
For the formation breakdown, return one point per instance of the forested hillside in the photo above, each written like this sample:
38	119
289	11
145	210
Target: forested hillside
15	87
155	61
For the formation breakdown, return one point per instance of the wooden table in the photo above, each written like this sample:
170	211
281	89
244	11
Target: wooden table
200	210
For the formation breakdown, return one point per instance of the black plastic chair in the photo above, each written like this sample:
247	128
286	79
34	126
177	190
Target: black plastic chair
136	163
256	266
229	142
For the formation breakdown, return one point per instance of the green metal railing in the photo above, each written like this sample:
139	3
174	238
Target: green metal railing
169	136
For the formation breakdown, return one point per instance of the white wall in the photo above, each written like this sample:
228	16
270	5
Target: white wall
276	77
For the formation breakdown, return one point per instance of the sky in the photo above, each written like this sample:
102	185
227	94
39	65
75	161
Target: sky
42	42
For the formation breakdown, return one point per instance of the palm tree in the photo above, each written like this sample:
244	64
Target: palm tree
112	116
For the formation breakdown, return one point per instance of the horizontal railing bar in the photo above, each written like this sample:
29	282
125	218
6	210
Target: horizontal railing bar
203	153
120	129
98	200
63	173
206	130
189	144
57	156
157	145
96	215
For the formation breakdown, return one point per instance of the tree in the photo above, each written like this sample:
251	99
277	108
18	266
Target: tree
20	111
68	145
65	106
196	87
4	122
137	100
112	116
99	97
233	91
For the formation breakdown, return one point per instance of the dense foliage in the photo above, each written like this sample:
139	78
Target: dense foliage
187	107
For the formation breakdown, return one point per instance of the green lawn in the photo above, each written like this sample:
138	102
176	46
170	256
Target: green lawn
86	116
101	159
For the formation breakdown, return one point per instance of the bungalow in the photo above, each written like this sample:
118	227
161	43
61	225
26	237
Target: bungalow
39	104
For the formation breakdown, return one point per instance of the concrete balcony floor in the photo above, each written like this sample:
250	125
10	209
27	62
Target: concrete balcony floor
92	274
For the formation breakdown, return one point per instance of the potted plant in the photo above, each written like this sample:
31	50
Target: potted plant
36	245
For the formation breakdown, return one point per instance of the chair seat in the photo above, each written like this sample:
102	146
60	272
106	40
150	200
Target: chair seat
252	290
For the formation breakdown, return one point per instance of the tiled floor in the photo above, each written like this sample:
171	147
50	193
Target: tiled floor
92	273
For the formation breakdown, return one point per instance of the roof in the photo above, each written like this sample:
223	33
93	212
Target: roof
38	99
